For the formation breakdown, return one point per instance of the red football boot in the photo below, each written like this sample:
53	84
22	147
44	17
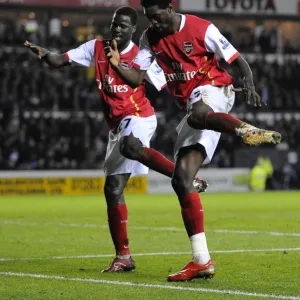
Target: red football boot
194	270
120	265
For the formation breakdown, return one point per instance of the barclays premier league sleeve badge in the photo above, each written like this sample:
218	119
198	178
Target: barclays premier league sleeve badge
225	44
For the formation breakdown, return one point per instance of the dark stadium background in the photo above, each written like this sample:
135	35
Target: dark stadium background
51	119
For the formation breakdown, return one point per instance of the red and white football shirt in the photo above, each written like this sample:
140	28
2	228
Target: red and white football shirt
118	99
188	57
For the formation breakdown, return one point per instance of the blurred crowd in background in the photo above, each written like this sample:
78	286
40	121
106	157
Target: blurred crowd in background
52	119
258	37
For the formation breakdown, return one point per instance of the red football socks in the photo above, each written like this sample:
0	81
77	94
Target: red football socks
192	213
222	122
117	220
157	162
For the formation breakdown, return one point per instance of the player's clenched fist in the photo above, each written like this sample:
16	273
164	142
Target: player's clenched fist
112	53
39	51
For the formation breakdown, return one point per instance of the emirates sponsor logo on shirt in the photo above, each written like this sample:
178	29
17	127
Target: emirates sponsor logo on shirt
109	87
179	73
188	48
181	76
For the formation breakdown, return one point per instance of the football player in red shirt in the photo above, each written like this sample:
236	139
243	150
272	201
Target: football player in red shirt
130	117
185	47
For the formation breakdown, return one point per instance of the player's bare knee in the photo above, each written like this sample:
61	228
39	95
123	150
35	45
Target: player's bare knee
181	183
197	120
113	190
131	147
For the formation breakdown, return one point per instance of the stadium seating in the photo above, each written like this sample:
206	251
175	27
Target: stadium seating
52	119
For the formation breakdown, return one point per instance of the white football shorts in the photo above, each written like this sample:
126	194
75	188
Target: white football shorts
141	128
220	99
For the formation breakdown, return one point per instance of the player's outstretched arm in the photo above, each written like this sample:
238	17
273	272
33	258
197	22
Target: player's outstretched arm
133	77
248	89
52	59
215	42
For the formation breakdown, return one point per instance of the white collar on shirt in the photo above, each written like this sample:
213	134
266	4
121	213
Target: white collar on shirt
128	48
183	19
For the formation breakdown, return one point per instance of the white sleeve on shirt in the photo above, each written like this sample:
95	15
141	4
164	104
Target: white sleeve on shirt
215	42
145	56
156	76
83	55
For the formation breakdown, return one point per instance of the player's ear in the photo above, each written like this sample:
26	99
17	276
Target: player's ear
134	29
170	8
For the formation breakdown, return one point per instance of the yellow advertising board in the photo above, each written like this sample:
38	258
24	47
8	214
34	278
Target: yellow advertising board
65	186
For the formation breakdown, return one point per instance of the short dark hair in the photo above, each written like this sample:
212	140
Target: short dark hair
160	3
128	11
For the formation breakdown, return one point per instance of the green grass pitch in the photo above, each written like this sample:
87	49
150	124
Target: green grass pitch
54	247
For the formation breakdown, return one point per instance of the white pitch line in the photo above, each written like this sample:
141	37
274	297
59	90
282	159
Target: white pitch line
273	233
21	223
157	286
150	254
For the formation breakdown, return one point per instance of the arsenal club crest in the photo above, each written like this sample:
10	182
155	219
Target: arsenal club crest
188	47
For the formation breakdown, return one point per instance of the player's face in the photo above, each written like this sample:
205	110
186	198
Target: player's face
160	19
121	29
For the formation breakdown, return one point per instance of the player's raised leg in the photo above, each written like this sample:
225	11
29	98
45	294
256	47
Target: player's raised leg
189	160
117	220
200	119
132	148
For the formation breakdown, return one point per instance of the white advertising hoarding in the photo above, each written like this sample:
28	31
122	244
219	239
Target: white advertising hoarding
270	7
219	180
